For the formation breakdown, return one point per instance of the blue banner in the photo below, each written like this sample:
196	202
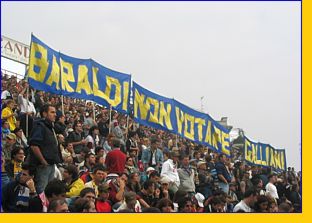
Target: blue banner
60	74
167	114
264	155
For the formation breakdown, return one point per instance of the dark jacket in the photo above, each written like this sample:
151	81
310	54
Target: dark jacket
9	198
43	136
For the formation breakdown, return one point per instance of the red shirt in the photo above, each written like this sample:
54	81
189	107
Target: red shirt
115	161
103	206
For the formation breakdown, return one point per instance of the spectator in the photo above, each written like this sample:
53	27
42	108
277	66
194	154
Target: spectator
223	174
44	153
246	205
115	159
58	206
14	167
186	175
102	203
153	156
83	205
72	180
21	140
262	204
9	146
76	137
17	193
170	170
165	205
9	115
99	174
271	188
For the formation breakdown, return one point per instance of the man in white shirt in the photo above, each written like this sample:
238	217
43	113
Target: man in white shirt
170	170
246	205
271	188
27	109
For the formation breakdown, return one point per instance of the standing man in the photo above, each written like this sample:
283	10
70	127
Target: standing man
223	174
186	175
44	153
271	188
153	156
28	110
115	160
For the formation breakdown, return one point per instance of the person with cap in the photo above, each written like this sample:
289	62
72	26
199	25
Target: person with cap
199	202
102	204
271	188
9	146
165	184
170	170
146	174
205	185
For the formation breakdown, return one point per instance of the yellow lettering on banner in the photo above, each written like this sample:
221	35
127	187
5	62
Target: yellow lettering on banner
191	119
125	96
67	76
55	74
110	81
139	104
153	117
264	162
277	159
247	153
225	144
164	114
267	153
282	160
208	138
272	158
180	119
42	63
83	81
200	122
216	137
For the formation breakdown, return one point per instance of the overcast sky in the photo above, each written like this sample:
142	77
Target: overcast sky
243	57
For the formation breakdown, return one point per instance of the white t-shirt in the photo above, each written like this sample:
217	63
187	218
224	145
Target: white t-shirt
242	206
170	170
271	190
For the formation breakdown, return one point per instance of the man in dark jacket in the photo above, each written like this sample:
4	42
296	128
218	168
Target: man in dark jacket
44	153
17	194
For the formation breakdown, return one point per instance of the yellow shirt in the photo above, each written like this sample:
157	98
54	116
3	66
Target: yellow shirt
5	113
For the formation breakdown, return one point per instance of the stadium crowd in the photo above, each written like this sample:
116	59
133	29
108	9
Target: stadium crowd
93	159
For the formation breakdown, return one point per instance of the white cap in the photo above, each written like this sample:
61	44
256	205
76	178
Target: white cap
150	169
200	199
